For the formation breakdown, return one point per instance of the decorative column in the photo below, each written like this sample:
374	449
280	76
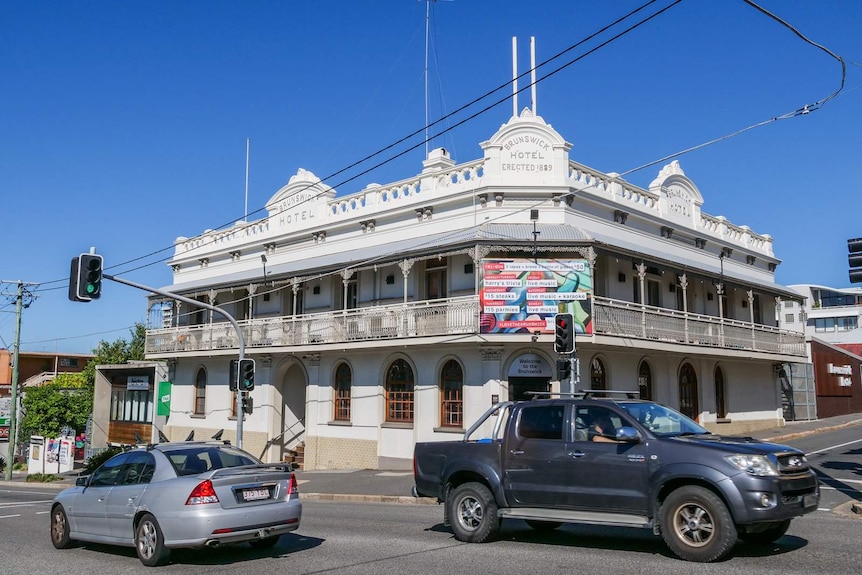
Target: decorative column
719	289
405	266
641	268
750	294
683	284
295	331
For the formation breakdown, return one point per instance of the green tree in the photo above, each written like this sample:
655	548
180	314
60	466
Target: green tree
117	353
49	408
68	400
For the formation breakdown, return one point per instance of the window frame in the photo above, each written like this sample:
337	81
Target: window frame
451	389
399	392
341	392
200	398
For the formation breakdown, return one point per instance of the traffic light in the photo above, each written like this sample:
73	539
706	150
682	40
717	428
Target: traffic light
564	333
246	375
564	369
234	374
854	258
89	283
247	403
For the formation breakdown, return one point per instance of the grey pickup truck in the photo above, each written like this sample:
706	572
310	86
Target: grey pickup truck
622	462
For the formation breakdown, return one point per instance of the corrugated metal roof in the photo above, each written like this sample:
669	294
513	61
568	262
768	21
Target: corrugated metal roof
652	249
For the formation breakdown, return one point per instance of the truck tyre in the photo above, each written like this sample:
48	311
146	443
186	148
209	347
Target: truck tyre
773	532
472	513
696	525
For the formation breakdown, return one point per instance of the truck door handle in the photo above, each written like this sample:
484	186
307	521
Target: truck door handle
516	451
576	454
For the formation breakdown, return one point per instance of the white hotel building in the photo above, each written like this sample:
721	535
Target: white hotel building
401	312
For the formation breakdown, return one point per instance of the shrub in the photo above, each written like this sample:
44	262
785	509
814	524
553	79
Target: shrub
41	478
2	464
98	459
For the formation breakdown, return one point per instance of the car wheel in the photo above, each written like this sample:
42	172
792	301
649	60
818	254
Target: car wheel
696	525
150	543
773	532
473	513
265	542
543	525
60	528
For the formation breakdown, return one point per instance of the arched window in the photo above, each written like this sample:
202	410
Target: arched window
688	391
399	392
201	392
342	392
452	395
720	400
645	381
597	374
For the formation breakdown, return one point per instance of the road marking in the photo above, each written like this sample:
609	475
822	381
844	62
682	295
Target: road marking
833	447
8	516
24	503
42	512
823	509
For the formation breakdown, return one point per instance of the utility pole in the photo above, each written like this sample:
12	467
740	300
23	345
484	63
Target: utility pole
13	422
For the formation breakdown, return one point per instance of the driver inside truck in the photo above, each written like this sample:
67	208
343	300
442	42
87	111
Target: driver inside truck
602	429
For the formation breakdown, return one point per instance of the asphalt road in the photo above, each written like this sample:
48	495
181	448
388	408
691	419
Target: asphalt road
383	538
837	458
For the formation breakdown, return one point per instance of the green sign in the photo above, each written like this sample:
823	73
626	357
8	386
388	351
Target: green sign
163	403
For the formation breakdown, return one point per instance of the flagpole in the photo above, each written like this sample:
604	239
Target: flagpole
245	213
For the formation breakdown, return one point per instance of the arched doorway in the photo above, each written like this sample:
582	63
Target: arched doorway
529	372
288	433
645	381
688	391
598	378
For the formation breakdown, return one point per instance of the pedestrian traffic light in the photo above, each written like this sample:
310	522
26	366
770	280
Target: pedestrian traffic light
564	333
247	403
854	258
234	374
564	369
246	374
89	284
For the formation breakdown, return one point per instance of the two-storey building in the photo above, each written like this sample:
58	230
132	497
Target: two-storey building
400	312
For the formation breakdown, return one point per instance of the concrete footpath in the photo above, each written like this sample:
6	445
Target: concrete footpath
393	486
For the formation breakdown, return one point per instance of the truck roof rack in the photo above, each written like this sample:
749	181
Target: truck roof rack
584	394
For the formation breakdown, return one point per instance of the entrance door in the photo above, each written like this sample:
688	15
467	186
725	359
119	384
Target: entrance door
293	391
520	388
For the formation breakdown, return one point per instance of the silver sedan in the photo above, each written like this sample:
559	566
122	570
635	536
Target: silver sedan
183	494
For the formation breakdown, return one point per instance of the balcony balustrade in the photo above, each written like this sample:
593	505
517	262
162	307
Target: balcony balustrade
460	316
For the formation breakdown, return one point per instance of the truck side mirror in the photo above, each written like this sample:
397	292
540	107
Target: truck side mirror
628	435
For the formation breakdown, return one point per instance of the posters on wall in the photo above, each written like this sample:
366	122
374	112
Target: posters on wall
523	295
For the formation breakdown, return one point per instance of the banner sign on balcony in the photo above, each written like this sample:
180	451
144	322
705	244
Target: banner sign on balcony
523	295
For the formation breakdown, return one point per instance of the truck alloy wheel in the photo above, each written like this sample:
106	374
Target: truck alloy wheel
473	513
696	525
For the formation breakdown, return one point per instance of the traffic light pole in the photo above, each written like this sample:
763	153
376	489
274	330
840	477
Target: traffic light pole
240	415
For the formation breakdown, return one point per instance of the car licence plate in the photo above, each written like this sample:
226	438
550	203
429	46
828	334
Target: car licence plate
809	501
255	494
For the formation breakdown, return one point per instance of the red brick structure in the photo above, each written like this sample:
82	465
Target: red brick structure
837	379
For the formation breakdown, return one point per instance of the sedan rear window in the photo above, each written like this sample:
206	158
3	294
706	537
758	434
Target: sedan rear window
195	460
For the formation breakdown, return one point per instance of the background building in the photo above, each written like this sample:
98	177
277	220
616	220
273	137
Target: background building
401	312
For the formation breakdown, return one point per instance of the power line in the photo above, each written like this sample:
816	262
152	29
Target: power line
436	122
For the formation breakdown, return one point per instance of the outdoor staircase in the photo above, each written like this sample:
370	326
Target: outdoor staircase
296	456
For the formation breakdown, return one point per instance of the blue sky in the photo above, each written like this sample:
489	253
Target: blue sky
123	125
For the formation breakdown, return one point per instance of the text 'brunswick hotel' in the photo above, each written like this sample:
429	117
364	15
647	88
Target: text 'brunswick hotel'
401	312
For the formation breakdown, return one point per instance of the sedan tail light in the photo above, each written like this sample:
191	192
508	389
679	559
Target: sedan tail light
292	486
202	493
